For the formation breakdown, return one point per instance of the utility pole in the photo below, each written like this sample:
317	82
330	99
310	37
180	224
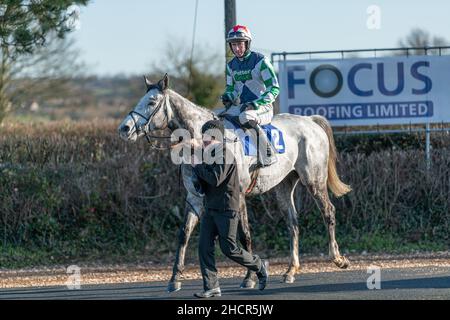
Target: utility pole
230	22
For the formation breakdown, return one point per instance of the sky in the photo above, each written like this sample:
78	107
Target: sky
128	37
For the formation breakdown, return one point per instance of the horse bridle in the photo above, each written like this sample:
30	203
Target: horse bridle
145	127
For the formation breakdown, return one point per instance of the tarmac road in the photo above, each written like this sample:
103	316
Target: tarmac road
405	283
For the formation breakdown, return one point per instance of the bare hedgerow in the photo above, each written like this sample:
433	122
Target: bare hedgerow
79	191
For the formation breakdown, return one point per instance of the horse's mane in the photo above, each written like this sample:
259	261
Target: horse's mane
177	97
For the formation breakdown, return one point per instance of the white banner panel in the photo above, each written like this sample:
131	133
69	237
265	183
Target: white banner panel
368	91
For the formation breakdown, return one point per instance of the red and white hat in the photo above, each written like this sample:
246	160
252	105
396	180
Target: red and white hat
239	33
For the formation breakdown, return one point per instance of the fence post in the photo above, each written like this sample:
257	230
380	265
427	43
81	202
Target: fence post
427	145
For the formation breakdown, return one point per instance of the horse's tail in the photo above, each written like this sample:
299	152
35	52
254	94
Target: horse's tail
334	183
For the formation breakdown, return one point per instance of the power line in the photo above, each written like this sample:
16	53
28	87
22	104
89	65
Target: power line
192	48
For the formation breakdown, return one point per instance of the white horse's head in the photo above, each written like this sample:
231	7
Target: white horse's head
149	114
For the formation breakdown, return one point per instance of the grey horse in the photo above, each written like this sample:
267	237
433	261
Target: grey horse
310	158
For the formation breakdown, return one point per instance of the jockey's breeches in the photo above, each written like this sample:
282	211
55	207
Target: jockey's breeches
262	116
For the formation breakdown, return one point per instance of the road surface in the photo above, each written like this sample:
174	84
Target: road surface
399	283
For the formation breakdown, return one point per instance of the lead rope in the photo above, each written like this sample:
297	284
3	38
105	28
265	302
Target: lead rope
179	178
254	176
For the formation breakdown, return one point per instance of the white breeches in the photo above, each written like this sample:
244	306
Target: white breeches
262	116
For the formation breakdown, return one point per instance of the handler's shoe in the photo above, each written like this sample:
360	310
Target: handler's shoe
209	293
263	274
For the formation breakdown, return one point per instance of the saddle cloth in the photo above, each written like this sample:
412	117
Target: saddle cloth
274	135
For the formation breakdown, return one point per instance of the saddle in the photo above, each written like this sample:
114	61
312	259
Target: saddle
249	138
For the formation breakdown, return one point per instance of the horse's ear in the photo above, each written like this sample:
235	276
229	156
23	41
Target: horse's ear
148	83
164	83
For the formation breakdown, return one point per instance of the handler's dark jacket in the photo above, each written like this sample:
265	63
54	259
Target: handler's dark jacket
220	182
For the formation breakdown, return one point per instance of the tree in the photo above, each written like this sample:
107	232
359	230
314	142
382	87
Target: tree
25	26
419	38
45	74
200	80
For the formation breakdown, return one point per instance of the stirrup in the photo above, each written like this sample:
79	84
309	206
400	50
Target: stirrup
265	160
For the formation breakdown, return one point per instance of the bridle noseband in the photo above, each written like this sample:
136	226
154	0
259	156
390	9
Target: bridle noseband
145	127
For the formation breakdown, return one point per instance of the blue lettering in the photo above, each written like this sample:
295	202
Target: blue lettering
400	80
373	110
351	80
421	77
293	81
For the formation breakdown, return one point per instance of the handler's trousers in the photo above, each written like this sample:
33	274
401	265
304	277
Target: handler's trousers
224	224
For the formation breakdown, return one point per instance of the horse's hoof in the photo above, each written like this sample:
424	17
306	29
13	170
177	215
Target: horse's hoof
248	284
342	262
287	278
174	286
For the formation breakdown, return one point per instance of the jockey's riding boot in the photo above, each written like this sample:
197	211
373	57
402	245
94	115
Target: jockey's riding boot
266	153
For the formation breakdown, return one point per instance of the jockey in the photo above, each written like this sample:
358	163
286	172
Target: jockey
251	78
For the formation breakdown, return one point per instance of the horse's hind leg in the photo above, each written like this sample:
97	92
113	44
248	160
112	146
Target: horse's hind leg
320	194
246	241
285	197
193	208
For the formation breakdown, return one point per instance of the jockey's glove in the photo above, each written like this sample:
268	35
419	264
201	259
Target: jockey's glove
226	100
247	106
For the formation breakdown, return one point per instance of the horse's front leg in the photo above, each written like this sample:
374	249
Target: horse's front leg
192	212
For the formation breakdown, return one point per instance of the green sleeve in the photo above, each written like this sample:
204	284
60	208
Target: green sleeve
230	89
270	80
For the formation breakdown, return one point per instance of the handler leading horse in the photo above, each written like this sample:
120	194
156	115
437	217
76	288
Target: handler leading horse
310	158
